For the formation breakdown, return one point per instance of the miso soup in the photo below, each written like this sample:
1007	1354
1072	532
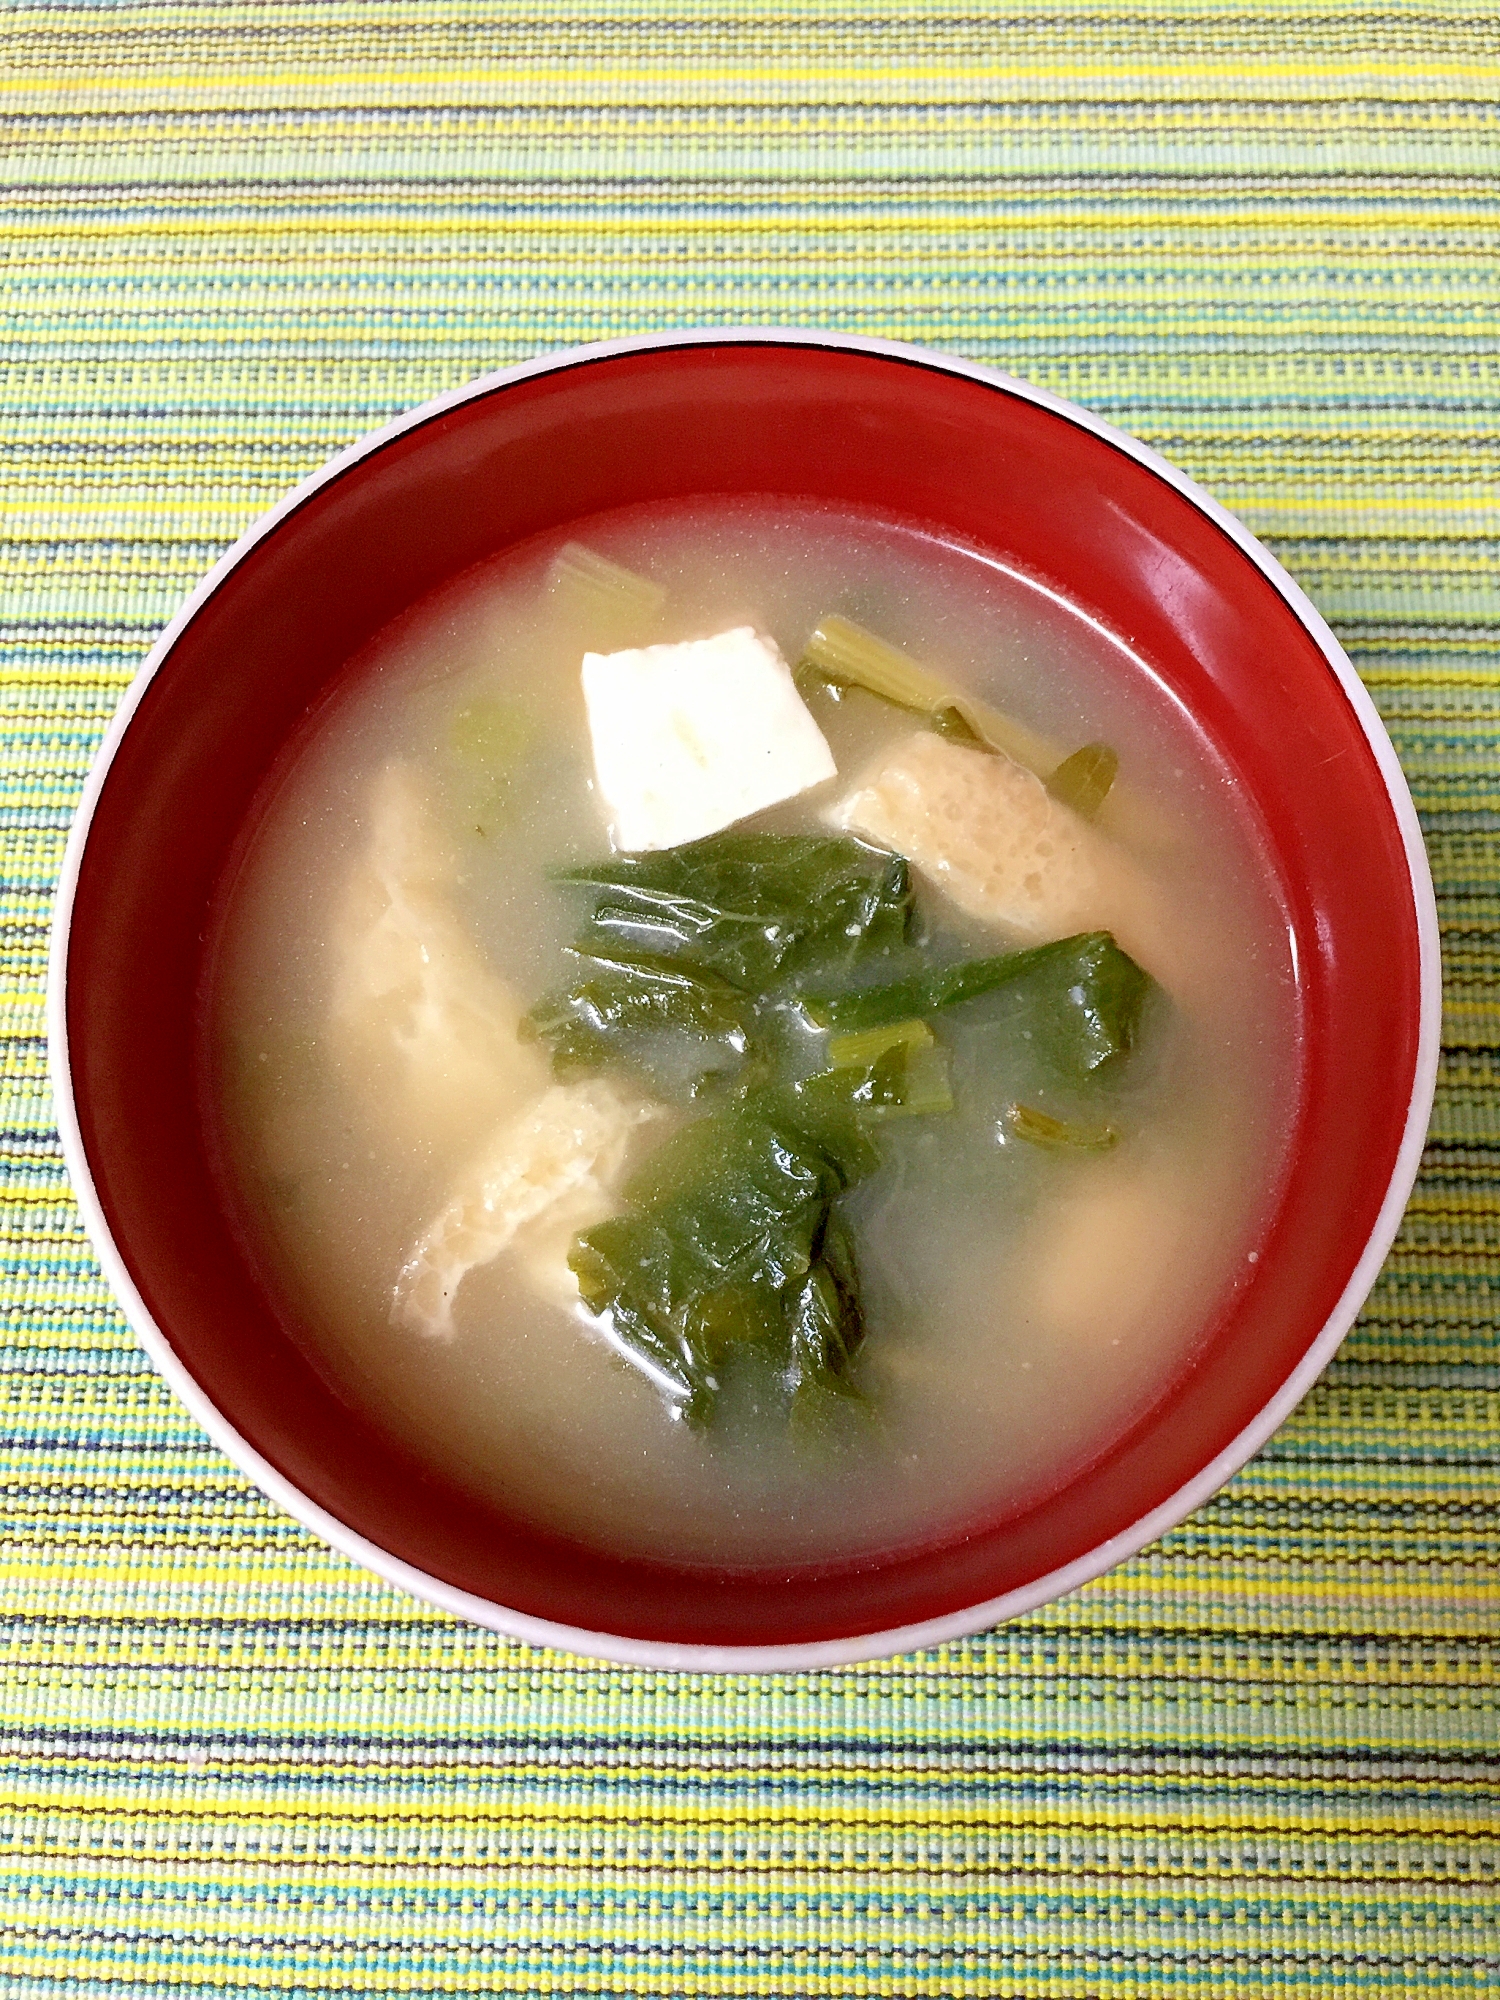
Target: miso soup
751	1035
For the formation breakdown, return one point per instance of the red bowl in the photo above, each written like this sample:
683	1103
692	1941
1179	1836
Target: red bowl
1045	486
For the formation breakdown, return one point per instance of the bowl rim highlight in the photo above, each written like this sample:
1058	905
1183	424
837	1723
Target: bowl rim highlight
972	1619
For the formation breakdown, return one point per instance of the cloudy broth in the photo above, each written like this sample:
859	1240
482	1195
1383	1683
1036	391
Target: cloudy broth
1024	1306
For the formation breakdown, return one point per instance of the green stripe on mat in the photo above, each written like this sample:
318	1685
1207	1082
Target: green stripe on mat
1259	1760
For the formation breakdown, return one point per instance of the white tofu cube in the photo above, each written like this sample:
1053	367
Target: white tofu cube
692	737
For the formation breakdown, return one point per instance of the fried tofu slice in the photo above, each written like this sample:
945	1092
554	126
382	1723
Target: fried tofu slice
986	831
421	1028
547	1174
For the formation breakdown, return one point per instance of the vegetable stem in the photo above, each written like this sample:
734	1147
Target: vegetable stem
1057	1134
926	1086
856	1050
844	655
605	593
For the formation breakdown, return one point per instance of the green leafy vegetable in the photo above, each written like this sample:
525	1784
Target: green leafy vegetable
825	1326
686	943
717	1246
614	1000
906	1067
1057	1134
757	908
1095	992
839	1105
853	1051
903	1081
925	1086
1083	780
729	1236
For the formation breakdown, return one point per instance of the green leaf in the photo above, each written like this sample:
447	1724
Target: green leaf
825	1328
684	943
720	1231
1089	992
600	1020
1083	780
730	1235
757	908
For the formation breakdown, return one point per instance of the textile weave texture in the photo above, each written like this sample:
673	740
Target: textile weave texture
1261	1758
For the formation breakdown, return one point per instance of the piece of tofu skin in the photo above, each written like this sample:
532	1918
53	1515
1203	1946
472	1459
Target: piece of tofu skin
690	738
984	829
988	833
549	1173
421	1029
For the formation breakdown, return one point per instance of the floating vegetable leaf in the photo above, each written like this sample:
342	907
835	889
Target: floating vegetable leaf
906	1066
599	1019
1095	992
838	1106
1083	780
685	941
830	1111
715	1247
825	1325
1057	1134
754	907
729	1237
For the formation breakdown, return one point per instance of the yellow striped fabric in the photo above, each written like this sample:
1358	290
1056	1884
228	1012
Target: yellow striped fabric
1259	1760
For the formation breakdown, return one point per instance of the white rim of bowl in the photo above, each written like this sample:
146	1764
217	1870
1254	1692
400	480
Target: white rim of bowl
861	1646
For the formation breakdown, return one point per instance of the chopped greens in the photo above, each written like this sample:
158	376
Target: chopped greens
688	942
612	600
756	907
904	1080
1057	1134
846	1051
1096	992
906	1065
925	1086
631	994
729	1238
843	655
1083	780
825	1325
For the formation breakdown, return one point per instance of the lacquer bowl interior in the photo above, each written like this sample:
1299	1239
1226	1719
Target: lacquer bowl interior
1047	489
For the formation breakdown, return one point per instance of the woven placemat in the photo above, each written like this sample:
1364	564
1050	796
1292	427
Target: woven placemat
1258	1760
